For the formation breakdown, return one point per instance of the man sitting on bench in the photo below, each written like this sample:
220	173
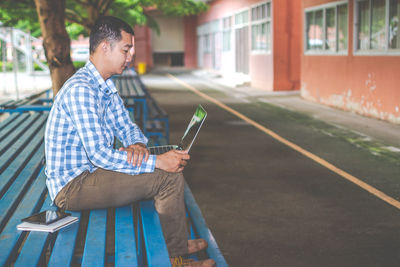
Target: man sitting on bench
85	172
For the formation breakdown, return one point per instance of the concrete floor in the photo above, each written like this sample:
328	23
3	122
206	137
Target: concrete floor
268	205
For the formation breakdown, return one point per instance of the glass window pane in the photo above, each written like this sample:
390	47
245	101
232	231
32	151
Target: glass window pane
253	37
226	41
263	11
378	31
330	31
342	27
269	36
309	29
253	14
363	25
268	10
394	16
263	37
245	16
318	30
237	19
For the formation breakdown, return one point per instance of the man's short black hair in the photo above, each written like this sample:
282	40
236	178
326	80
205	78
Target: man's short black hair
107	28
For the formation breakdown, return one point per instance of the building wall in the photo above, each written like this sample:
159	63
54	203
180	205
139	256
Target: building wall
220	8
260	65
287	29
143	50
190	43
274	71
366	84
170	38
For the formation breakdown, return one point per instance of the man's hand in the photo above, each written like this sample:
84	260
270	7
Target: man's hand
136	154
172	161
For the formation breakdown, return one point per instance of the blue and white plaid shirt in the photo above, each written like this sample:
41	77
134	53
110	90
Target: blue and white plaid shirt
86	115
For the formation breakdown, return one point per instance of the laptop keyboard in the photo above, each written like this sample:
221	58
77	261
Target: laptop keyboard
158	150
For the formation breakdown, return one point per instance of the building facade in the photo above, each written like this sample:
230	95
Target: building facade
259	41
351	56
342	53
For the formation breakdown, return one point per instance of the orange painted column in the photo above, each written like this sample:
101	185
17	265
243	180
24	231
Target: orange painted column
287	29
143	51
190	41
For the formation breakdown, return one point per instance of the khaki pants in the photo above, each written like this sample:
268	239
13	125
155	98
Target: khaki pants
104	189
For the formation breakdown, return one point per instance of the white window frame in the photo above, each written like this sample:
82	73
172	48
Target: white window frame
237	12
225	30
372	52
325	52
260	22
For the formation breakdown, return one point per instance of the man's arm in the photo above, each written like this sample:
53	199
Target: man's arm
137	153
135	142
126	131
82	106
172	161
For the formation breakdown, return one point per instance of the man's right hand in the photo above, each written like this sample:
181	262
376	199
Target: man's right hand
172	161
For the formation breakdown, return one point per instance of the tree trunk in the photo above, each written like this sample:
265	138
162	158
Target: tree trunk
56	41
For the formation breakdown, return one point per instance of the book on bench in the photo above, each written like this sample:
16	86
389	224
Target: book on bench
50	223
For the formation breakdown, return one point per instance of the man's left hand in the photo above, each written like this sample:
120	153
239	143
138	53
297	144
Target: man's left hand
136	154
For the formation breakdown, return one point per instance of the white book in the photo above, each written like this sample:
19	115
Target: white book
52	227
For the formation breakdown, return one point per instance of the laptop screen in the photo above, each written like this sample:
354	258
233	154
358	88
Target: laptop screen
193	128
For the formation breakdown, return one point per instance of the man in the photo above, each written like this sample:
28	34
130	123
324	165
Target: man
85	172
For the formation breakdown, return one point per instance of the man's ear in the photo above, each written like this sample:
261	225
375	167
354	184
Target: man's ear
104	46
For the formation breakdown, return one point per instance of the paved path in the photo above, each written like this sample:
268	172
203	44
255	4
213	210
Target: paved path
269	205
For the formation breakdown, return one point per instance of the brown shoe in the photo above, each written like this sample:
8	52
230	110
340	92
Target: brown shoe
181	262
196	245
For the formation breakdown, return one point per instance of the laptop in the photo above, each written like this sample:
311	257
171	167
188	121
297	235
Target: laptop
188	137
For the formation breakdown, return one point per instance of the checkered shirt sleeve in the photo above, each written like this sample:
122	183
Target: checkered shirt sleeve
82	107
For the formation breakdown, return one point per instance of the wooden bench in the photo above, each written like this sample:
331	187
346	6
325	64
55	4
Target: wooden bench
125	236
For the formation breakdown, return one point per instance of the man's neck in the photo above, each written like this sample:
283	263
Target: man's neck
101	68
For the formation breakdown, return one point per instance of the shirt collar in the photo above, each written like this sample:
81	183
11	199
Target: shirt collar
107	87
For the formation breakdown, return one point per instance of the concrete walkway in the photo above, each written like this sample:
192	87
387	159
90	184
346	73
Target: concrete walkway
369	127
269	205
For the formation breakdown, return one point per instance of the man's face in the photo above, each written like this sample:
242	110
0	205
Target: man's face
120	54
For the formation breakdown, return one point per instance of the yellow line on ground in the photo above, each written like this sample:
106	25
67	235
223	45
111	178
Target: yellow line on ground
297	148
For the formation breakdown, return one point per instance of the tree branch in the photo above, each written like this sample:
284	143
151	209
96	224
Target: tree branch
73	16
83	2
105	6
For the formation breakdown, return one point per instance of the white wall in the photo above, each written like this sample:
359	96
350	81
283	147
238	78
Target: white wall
171	38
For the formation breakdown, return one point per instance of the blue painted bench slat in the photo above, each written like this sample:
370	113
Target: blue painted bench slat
10	123
15	192
95	244
24	108
10	237
156	249
203	231
30	124
125	244
64	246
9	172
34	249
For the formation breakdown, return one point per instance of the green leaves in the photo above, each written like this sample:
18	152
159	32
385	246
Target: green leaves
81	14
